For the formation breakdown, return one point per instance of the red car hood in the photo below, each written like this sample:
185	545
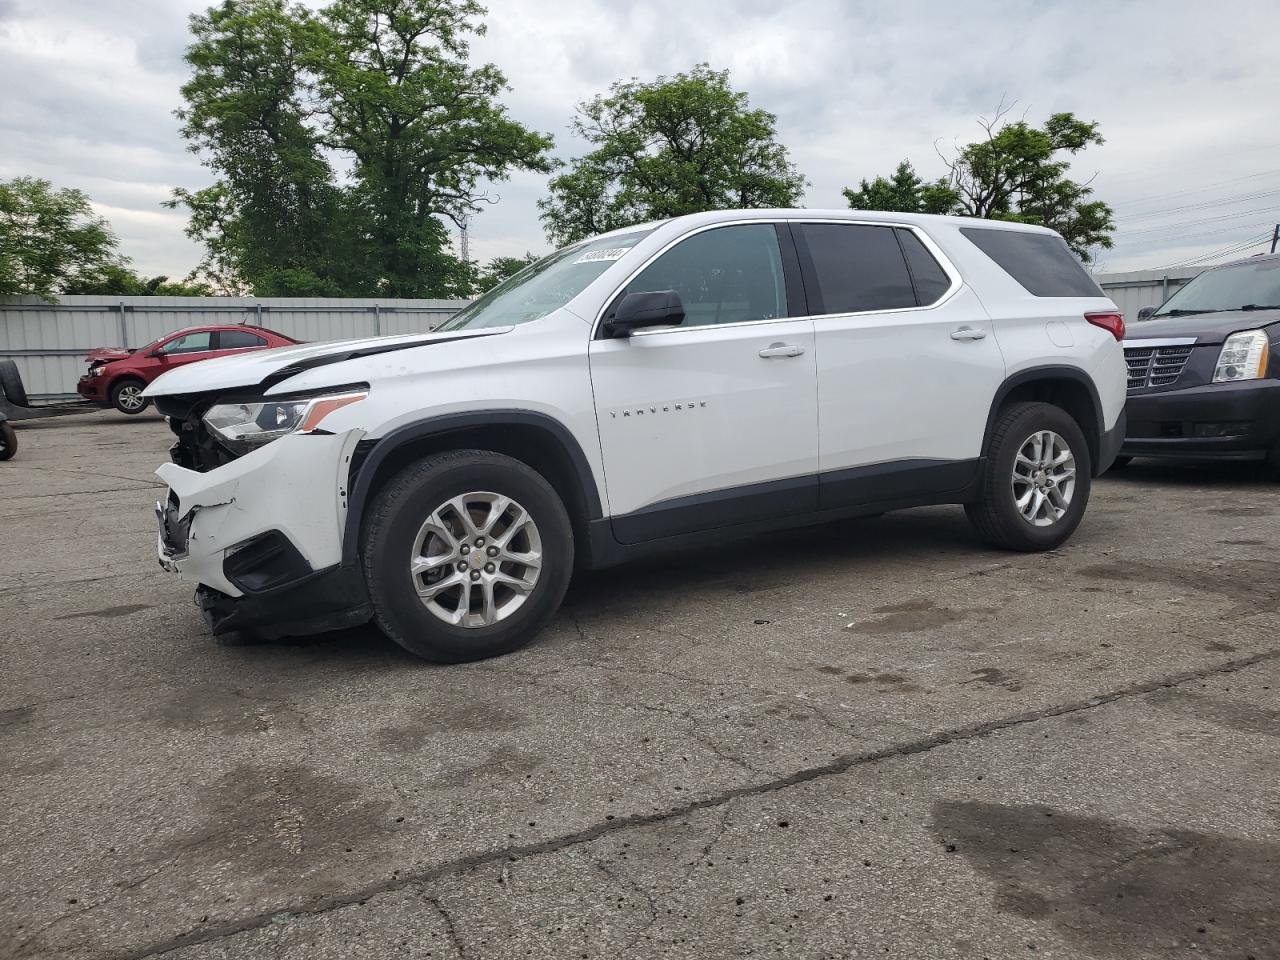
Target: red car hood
106	355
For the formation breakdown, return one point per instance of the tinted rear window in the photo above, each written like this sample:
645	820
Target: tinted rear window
930	279
1042	263
239	339
858	268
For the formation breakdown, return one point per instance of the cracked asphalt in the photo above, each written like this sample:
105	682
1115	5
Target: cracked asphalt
874	739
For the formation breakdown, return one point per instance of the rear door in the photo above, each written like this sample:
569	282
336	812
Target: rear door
713	422
907	364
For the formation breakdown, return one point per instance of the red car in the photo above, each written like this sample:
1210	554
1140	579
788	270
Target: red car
117	377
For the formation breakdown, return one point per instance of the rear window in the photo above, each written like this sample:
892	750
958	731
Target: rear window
1041	262
858	268
239	339
930	279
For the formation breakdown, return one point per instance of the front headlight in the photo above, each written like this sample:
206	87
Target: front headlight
246	426
1243	357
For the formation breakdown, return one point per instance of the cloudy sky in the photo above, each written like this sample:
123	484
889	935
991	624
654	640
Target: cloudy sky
1185	94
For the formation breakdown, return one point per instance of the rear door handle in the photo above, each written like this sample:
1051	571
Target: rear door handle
968	333
781	350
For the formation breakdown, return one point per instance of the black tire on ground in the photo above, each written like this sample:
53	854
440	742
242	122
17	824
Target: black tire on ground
1119	463
8	440
124	396
995	513
396	515
11	383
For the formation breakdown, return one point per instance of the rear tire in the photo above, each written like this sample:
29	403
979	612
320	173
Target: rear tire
1026	501
11	384
126	396
8	441
467	555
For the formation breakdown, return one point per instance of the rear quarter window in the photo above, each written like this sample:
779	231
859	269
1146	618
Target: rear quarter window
1042	263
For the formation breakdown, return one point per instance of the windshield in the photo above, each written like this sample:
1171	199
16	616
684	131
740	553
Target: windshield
546	285
1242	286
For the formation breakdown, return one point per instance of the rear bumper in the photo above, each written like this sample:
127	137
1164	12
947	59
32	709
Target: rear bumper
1110	443
1220	421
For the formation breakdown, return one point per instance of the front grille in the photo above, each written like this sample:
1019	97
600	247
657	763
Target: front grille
1155	366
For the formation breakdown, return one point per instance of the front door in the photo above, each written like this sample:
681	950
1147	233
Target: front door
713	422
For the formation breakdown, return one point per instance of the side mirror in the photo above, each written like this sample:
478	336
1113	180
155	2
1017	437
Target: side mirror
659	308
1146	312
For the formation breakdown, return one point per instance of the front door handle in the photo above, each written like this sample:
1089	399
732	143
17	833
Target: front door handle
968	333
781	350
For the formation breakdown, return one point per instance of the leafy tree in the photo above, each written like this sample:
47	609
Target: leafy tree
118	280
904	192
344	139
1017	172
499	269
50	239
677	145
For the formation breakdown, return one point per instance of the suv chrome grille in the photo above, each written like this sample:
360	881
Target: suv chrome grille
1155	366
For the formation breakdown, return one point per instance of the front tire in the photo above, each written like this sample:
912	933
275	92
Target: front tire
466	555
126	396
1036	480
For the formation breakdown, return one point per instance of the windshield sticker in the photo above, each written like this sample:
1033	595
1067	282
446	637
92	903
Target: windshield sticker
597	256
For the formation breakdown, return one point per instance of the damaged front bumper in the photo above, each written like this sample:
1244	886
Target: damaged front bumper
261	537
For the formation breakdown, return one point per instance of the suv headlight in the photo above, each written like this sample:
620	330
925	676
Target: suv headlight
246	426
1243	357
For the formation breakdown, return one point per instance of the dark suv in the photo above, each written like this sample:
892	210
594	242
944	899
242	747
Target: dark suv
1202	381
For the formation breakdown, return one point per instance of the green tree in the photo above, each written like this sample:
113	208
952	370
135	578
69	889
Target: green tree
904	192
678	145
1016	172
499	269
50	239
118	280
344	141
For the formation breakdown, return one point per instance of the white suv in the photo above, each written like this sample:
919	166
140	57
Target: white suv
721	373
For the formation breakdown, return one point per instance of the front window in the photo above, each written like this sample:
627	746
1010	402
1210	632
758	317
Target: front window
1242	286
725	275
190	343
544	286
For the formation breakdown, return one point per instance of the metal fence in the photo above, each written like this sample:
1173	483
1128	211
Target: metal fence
1143	288
48	341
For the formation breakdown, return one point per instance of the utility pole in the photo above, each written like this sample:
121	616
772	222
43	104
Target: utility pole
1275	236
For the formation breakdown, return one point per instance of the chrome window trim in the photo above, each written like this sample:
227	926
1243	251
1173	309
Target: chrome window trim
1160	342
947	266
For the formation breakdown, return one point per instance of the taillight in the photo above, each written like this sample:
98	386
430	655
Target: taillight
1113	323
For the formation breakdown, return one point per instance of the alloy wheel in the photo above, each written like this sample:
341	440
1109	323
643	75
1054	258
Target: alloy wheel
1044	478
476	559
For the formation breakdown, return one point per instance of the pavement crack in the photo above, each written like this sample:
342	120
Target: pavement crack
836	767
450	927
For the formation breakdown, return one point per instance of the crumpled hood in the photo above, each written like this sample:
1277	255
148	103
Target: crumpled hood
266	367
1207	328
106	355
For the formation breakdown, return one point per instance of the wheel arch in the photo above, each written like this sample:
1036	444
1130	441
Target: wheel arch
1070	388
538	440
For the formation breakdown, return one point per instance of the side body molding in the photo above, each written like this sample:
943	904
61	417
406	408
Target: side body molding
433	427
